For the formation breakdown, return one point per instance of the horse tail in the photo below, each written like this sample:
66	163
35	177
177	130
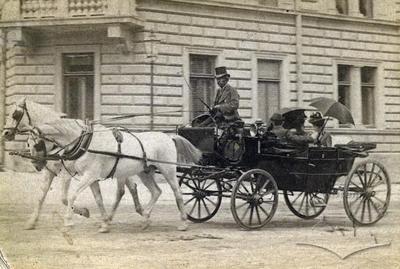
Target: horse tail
187	153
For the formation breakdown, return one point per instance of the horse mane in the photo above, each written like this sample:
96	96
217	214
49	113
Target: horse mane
62	130
38	111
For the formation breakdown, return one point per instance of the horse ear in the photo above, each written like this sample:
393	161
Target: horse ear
22	102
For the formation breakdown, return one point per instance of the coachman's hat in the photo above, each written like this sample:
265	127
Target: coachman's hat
221	72
316	118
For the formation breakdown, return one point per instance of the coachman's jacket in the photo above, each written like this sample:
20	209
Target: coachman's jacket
227	99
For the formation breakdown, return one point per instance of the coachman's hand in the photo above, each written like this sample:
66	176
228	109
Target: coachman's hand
214	110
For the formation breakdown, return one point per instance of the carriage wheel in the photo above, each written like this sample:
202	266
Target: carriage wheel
254	199
202	198
366	193
306	205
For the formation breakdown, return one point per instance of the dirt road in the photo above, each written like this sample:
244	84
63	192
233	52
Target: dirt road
284	243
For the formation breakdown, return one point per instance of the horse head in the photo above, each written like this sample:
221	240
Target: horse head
18	121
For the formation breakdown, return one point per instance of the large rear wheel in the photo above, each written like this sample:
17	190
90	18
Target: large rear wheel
202	197
306	205
366	193
254	199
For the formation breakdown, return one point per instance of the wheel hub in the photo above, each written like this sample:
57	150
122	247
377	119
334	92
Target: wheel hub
200	194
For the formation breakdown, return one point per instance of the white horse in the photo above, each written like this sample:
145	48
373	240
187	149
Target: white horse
93	166
52	169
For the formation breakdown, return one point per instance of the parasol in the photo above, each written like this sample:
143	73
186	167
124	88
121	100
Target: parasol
332	108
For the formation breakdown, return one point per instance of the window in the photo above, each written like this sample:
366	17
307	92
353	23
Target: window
342	7
344	85
78	85
367	94
366	8
356	90
268	81
202	82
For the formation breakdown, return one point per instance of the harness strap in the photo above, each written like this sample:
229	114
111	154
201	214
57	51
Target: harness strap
146	167
118	137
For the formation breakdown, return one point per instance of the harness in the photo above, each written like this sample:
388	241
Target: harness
119	138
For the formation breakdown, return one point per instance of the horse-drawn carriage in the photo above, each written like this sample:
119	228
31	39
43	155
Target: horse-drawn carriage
246	163
254	167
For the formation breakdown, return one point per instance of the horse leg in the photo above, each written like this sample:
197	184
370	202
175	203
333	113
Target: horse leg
132	187
45	186
120	193
84	181
95	187
169	173
151	185
66	183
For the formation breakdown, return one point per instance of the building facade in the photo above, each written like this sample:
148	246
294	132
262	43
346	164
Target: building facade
101	58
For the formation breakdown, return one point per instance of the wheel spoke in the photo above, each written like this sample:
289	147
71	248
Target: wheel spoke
301	203
251	215
263	210
375	207
187	184
193	207
209	185
357	187
199	209
240	206
359	206
369	210
242	185
211	201
353	202
294	201
252	186
363	209
245	212
206	207
365	175
380	200
258	215
188	201
307	204
360	178
371	174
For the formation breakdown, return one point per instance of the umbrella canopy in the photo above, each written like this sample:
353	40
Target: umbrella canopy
332	108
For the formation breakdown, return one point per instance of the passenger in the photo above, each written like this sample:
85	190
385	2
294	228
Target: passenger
226	103
275	126
322	137
295	133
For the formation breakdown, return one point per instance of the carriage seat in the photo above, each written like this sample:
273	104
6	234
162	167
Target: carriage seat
356	146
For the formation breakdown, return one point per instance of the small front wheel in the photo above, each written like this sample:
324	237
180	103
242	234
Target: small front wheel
254	199
306	205
201	197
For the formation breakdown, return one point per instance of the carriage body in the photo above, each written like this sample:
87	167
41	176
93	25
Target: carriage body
309	173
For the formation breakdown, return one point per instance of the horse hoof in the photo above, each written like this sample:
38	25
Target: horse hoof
104	228
85	212
146	224
29	226
139	211
183	227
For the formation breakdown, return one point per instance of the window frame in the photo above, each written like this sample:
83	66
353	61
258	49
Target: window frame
59	87
284	89
186	91
379	107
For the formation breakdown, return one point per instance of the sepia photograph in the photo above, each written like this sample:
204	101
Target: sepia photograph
199	134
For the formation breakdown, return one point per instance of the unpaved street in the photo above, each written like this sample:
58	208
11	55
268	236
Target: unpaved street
218	243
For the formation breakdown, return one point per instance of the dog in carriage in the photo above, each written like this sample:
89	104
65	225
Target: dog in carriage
93	166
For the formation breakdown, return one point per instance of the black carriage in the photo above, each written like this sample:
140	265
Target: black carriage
251	167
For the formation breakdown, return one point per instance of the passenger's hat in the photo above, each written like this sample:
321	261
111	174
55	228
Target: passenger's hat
276	117
316	118
221	72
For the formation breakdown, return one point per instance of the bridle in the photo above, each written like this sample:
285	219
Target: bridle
18	115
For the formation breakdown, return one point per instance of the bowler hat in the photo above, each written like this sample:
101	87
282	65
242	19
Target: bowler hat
221	72
316	118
